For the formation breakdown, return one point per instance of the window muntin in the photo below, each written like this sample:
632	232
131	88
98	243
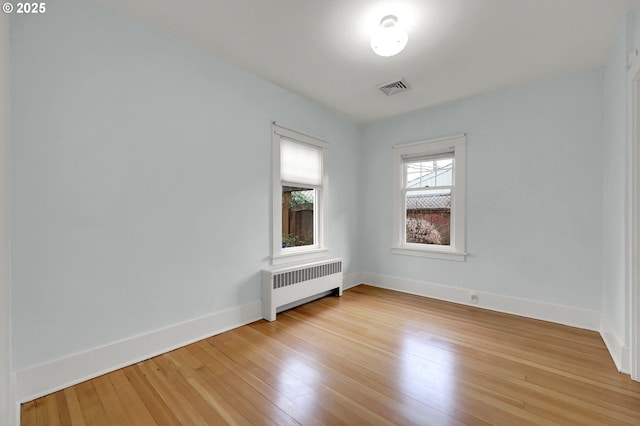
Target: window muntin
430	172
429	194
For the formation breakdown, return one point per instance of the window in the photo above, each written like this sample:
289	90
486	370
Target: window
429	198
299	194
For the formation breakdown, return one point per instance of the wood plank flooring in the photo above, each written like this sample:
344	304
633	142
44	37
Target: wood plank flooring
372	356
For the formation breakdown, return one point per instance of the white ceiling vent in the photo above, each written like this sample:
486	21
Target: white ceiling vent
393	87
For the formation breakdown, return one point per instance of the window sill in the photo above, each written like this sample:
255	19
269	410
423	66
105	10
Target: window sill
445	254
299	256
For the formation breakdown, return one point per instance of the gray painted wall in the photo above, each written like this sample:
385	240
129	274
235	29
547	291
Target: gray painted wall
6	398
141	180
534	191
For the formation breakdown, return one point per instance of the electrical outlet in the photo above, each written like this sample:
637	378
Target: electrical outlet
473	297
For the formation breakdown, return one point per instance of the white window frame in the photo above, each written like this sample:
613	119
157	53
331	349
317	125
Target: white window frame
402	152
282	255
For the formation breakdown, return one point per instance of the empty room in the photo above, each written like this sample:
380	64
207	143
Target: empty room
316	212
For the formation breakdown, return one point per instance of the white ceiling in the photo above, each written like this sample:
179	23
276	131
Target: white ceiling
320	49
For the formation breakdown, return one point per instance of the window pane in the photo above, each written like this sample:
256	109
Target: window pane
428	216
444	174
298	216
429	173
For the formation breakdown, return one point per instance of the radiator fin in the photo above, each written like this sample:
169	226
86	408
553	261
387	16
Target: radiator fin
288	278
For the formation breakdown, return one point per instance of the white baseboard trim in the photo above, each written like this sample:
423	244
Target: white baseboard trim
43	379
619	352
567	315
351	280
40	380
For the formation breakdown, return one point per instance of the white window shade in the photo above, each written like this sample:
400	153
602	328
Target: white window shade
300	163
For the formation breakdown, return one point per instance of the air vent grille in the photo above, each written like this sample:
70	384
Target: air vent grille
393	87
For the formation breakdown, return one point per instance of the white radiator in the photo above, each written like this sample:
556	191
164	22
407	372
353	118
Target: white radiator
282	286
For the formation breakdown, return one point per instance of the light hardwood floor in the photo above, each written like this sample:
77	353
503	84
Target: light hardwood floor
372	356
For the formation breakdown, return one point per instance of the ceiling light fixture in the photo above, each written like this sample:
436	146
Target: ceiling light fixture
390	38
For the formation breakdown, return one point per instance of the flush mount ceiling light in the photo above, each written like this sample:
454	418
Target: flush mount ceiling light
390	38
